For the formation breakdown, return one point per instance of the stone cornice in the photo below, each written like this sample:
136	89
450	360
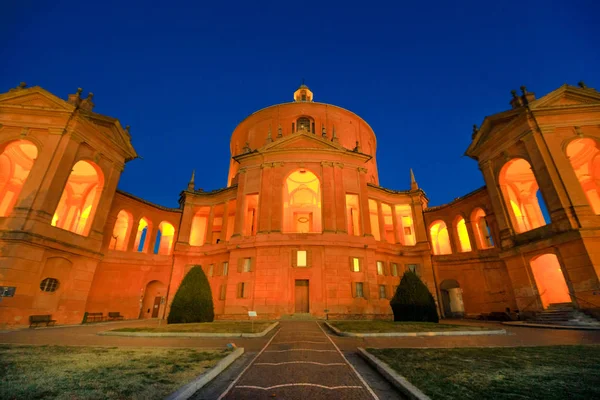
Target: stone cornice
146	202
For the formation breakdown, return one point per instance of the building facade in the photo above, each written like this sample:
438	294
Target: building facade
303	225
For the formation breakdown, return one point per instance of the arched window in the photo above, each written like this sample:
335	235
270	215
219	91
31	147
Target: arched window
77	206
303	123
302	202
142	236
483	233
121	231
440	241
520	191
585	159
462	235
164	238
16	162
199	226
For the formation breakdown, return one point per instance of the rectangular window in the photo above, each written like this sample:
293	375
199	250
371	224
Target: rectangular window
353	214
394	269
382	292
241	292
379	267
359	289
405	223
413	268
355	264
211	269
225	268
301	258
247	266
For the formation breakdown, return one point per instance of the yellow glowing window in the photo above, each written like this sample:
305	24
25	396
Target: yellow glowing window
463	235
247	263
301	258
379	267
356	264
225	268
394	269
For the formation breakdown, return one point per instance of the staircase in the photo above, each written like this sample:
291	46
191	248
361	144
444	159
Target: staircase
298	317
564	314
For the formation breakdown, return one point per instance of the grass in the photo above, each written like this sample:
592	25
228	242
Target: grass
205	327
549	373
391	326
67	372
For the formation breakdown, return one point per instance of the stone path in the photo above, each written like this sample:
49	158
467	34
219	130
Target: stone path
299	362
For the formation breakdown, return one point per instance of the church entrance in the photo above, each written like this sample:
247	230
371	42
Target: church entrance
301	296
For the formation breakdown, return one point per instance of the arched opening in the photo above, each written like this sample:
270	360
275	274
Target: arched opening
164	238
550	280
353	214
142	236
404	221
153	300
520	191
302	202
16	162
440	241
462	235
374	217
388	223
452	300
199	226
305	124
77	206
481	229
121	231
585	159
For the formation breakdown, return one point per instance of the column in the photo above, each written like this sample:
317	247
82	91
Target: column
223	236
471	234
276	198
209	225
133	233
381	221
329	204
264	199
364	203
240	214
341	224
498	204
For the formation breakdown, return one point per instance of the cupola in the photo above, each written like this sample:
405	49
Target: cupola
303	94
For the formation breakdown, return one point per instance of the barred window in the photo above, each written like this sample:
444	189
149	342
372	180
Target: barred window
359	289
49	285
394	269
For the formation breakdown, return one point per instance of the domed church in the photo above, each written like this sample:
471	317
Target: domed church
303	226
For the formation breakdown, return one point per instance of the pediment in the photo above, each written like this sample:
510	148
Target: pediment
34	97
302	140
567	96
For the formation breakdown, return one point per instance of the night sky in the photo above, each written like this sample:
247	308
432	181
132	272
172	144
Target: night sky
183	75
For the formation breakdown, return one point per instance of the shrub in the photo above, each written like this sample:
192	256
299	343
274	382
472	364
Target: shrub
413	301
193	301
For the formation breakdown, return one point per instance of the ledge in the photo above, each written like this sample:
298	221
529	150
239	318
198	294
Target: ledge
191	334
413	334
550	326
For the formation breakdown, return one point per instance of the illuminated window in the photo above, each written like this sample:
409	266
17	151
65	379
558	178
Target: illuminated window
382	292
49	285
242	290
301	258
374	218
251	220
141	237
483	234
247	265
164	238
359	289
77	206
440	241
550	280
225	268
211	269
199	226
388	223
355	264
520	190
462	235
394	269
303	124
380	268
585	160
121	231
404	221
302	203
353	214
16	162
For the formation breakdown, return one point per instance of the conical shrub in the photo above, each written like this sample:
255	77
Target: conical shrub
193	301
413	301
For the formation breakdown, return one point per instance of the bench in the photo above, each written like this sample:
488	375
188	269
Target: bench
41	319
115	316
94	317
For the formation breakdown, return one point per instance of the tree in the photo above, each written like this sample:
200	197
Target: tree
193	301
413	301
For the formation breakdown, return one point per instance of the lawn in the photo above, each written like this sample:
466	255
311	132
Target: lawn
553	372
391	326
68	372
204	327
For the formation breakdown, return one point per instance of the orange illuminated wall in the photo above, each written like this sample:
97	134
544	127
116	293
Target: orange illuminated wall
16	162
199	226
77	206
374	217
440	241
353	214
462	235
550	280
585	159
483	236
519	188
302	202
388	223
121	231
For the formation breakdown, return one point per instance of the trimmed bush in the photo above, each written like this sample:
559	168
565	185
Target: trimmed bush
413	301
193	301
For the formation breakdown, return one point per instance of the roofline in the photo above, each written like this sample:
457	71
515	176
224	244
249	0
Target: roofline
131	196
456	200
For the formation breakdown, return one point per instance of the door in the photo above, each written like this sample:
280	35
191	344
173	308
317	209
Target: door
156	307
301	296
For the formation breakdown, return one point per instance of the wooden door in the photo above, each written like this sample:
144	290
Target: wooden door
301	296
156	307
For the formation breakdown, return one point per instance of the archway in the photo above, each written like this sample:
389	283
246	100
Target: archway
481	229
152	304
164	238
550	280
121	231
77	206
16	162
452	301
585	160
142	237
520	190
302	202
440	241
462	235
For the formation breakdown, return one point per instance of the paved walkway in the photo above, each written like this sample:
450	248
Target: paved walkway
299	362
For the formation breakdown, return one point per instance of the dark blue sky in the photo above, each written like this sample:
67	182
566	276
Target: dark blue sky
183	75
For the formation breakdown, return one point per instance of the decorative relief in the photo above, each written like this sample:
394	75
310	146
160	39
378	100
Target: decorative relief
363	170
327	163
56	131
339	165
24	132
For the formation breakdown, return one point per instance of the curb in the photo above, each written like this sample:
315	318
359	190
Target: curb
188	390
191	334
397	380
549	326
413	334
